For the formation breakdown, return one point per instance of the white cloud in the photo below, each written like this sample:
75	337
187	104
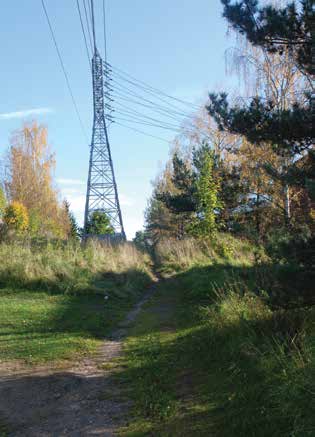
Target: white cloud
71	191
25	113
65	181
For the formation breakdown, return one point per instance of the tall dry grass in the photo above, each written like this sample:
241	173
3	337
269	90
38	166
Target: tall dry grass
71	268
178	255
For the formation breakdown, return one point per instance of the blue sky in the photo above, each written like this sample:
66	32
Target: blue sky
177	46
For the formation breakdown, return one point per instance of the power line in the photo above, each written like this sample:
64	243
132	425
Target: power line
161	111
88	25
64	70
137	113
142	132
104	26
146	123
93	24
130	112
134	111
152	93
123	90
90	9
139	116
144	84
83	31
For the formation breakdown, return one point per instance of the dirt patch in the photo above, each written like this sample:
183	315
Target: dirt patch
84	399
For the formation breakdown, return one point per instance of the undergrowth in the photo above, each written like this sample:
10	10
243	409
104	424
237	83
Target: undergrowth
175	256
225	361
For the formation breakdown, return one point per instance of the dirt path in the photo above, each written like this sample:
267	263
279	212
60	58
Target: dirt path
83	400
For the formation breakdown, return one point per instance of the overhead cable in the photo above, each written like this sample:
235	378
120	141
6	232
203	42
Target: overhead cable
64	70
144	84
84	35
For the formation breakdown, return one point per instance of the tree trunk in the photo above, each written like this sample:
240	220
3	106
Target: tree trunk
258	214
287	204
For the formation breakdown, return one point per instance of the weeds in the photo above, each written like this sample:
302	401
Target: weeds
175	256
71	269
250	364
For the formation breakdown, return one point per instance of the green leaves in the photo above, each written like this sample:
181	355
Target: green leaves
207	188
99	224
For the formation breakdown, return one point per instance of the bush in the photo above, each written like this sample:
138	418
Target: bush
16	217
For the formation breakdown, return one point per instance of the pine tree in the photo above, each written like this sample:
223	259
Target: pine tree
275	28
288	130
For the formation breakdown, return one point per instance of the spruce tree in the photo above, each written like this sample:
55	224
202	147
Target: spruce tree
74	228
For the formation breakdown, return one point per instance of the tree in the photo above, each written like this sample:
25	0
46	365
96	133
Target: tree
283	124
99	224
73	228
183	201
275	29
159	220
16	217
169	209
30	181
3	202
207	192
277	117
30	169
193	197
142	240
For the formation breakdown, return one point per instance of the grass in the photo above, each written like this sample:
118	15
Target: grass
177	256
56	303
220	361
210	353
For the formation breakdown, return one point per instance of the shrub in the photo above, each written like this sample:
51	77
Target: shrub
16	217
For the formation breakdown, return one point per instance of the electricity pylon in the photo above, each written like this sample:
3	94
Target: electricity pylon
102	193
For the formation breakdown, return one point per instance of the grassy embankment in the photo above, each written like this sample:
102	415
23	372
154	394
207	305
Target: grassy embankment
210	355
52	300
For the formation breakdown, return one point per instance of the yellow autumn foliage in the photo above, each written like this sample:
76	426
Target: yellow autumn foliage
16	216
31	182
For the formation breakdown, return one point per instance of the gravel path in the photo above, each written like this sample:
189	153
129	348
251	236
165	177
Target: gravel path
83	400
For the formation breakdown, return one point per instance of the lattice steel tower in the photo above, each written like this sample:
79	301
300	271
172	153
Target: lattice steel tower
102	193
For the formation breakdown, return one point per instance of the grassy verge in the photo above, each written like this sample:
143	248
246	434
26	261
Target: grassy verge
56	303
221	362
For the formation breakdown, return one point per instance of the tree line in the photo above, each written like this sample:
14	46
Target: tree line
30	203
246	164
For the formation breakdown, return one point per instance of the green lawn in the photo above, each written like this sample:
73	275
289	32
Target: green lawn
37	326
